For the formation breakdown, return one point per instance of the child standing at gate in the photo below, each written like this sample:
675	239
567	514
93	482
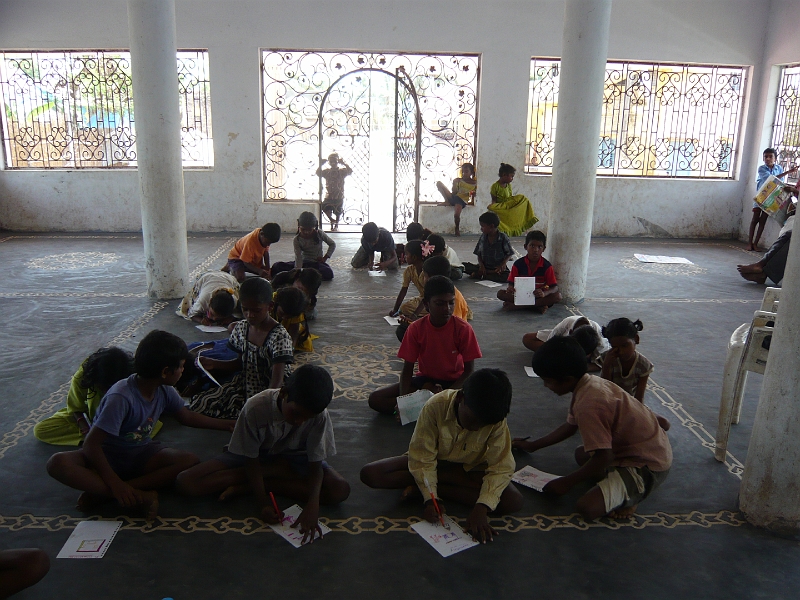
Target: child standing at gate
334	176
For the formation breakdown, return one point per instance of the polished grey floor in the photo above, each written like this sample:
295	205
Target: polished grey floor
65	296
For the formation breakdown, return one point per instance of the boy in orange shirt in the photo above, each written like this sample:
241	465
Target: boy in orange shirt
250	254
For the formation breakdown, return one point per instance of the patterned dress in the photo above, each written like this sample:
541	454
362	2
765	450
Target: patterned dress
227	401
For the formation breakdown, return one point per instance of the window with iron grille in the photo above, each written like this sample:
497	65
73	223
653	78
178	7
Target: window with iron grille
659	120
786	127
74	109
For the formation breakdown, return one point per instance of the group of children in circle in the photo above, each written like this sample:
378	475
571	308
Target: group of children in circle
281	430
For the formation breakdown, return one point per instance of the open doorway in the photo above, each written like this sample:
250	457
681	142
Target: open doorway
399	121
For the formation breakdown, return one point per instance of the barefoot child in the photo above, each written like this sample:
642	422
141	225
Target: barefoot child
411	274
375	239
463	191
460	451
567	326
250	254
770	167
334	176
440	248
493	251
308	248
623	363
119	459
212	299
265	355
444	346
280	444
533	265
624	448
514	210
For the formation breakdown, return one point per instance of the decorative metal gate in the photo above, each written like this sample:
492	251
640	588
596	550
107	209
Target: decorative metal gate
407	142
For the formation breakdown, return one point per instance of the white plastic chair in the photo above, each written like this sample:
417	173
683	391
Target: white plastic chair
746	352
772	296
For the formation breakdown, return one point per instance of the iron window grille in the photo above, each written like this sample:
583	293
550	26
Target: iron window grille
73	109
659	120
786	127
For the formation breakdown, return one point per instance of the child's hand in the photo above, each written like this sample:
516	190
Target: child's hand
264	273
558	487
308	523
430	514
432	387
482	271
523	444
498	270
268	515
322	259
538	293
478	524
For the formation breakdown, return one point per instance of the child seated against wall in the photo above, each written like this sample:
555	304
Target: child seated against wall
250	254
444	346
533	264
476	471
493	251
625	447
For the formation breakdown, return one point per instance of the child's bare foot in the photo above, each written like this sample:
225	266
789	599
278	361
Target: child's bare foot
410	493
623	513
88	502
508	305
150	505
540	309
233	491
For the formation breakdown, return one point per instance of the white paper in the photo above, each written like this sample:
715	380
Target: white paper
489	284
212	328
204	370
530	372
377	273
523	291
290	534
445	541
533	478
394	321
664	260
410	405
90	539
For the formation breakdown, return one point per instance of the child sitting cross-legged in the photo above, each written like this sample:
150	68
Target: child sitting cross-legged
444	346
119	459
493	251
533	264
280	444
623	363
460	451
411	274
625	450
440	248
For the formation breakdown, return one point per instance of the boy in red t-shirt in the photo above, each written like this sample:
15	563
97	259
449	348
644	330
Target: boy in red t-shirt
444	346
533	265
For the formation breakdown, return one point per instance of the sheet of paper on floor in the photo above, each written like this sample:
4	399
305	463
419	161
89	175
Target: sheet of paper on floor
533	478
394	321
664	260
489	284
410	405
445	541
90	539
212	328
377	273
292	534
530	372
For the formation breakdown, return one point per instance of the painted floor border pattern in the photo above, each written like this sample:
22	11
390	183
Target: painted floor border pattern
382	525
708	441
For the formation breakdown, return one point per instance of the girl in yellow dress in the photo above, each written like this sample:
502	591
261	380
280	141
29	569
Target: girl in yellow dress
463	191
515	211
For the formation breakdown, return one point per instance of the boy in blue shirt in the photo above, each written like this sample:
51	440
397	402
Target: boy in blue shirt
493	251
118	458
770	167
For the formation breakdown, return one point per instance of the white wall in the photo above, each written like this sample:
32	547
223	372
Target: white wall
506	32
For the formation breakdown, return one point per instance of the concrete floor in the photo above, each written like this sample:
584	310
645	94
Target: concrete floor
63	296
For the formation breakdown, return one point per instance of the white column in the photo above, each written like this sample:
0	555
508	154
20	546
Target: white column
580	96
770	491
151	25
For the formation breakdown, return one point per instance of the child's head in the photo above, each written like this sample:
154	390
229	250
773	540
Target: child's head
414	252
291	301
221	305
486	398
770	156
623	335
535	243
435	266
489	222
587	337
106	367
506	173
467	170
370	232
270	234
439	299
438	244
255	296
307	225
308	281
161	355
415	231
560	362
306	393
333	159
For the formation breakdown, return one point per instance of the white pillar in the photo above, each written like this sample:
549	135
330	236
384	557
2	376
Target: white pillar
770	491
151	25
580	96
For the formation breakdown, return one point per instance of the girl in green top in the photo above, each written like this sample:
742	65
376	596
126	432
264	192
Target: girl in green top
515	211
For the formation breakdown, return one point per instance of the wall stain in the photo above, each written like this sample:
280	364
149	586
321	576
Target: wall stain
247	164
232	136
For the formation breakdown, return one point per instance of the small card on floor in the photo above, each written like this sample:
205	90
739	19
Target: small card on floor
664	260
292	534
377	273
445	541
90	539
394	321
410	405
489	284
533	478
211	328
530	372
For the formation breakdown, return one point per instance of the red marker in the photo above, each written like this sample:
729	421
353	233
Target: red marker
275	506
436	505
